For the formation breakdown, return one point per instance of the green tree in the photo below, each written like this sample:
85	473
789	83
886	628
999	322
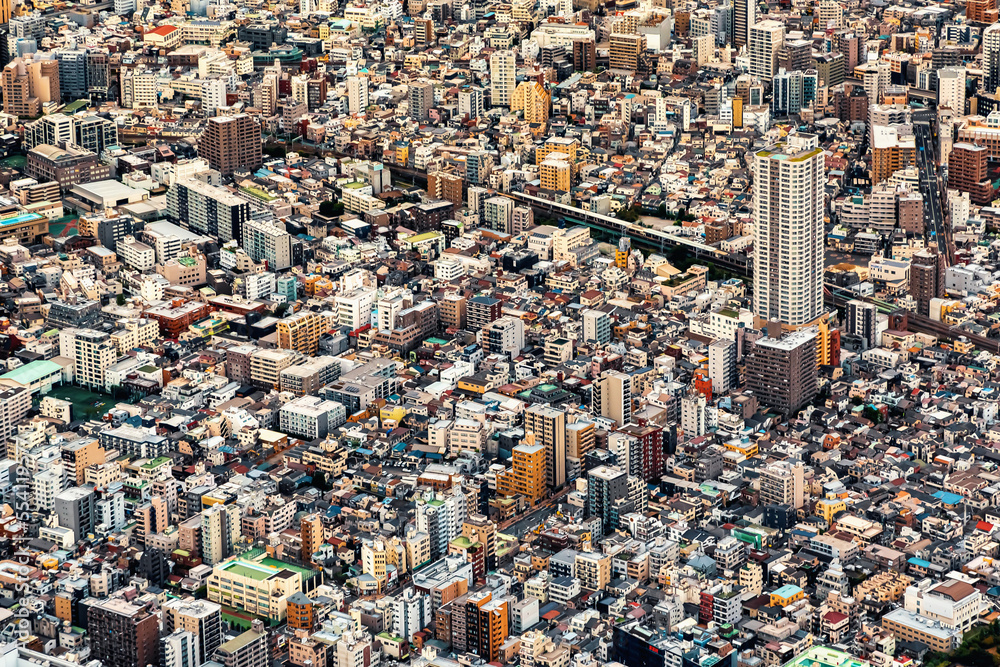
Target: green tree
872	414
120	299
628	214
319	481
327	208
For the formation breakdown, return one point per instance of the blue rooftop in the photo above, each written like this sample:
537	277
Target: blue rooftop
948	498
787	591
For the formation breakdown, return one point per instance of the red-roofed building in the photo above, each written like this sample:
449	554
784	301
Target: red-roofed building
834	624
166	37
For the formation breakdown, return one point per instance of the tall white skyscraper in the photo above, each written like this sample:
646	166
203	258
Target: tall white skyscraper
991	58
788	230
503	68
766	38
357	94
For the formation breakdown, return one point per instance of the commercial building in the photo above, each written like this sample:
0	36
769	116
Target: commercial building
67	166
123	634
782	372
29	86
231	144
967	172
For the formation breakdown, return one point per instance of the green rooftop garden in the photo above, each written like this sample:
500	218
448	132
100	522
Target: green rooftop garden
258	193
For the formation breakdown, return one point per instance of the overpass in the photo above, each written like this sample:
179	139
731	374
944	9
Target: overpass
617	228
837	296
647	235
911	92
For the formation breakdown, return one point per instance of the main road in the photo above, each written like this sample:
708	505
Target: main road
930	181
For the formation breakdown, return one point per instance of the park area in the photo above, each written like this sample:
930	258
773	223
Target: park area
86	404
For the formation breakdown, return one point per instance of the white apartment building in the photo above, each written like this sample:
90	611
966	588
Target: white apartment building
448	269
788	228
498	214
354	309
136	254
220	530
357	94
265	241
93	352
311	417
951	89
766	39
